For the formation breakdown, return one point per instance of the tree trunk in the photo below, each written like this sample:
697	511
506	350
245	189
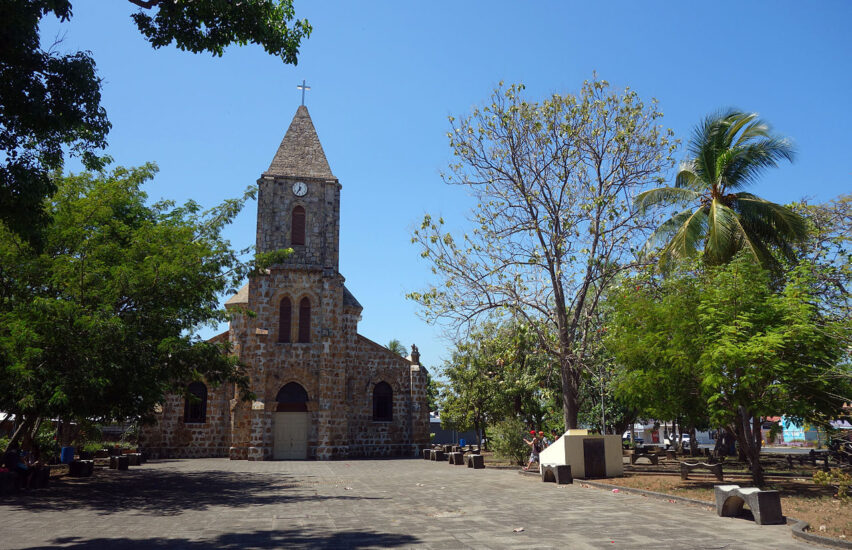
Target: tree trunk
23	427
693	441
570	394
750	444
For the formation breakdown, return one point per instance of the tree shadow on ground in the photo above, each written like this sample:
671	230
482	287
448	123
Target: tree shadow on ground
166	493
290	538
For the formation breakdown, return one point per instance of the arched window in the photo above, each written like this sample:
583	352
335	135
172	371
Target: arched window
297	230
304	321
292	398
195	404
383	402
285	314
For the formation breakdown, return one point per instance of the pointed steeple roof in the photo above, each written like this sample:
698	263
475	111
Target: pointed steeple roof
300	153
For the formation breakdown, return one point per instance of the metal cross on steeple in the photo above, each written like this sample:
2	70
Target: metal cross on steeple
303	87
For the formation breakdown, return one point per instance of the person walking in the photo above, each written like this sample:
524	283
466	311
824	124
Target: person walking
535	448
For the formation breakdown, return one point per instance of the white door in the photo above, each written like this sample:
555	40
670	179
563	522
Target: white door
291	436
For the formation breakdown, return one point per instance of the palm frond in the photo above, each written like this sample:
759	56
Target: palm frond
722	233
664	196
686	240
667	230
689	177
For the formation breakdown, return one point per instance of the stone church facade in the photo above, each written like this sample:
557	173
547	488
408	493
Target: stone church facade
322	390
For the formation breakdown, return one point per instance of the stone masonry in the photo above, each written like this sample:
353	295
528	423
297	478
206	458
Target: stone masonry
337	368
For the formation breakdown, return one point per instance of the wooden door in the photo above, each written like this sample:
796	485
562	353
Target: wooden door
594	459
290	434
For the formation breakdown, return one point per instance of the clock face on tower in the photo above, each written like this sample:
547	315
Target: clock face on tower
300	188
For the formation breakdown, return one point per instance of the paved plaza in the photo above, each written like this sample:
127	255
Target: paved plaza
216	503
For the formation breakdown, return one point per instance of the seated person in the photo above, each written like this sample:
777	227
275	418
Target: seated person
14	463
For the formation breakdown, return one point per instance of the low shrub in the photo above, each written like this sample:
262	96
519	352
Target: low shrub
507	440
839	479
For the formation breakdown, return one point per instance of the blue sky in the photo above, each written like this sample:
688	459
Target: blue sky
386	75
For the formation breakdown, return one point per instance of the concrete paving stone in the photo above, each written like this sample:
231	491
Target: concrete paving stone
204	504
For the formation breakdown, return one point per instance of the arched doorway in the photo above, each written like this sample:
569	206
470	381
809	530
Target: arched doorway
290	427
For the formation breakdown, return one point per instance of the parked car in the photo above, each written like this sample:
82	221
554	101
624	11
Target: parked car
625	437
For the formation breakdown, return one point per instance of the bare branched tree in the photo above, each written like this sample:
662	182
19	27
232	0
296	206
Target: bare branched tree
554	222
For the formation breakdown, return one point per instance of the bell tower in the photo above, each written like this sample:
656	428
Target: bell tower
298	203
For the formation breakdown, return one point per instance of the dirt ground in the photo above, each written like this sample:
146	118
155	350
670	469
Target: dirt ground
800	498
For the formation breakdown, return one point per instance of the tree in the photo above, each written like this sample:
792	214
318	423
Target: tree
728	152
723	341
652	333
99	322
395	346
51	102
555	222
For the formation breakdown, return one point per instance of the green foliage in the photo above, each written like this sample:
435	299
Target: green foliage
506	438
395	346
497	372
840	479
51	101
555	221
211	25
45	441
728	152
100	321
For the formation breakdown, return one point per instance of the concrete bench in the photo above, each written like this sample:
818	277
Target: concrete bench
475	461
715	469
765	506
8	483
81	468
652	457
119	462
437	456
456	458
557	473
427	454
134	459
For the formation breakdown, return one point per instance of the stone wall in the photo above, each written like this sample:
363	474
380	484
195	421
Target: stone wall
322	220
171	437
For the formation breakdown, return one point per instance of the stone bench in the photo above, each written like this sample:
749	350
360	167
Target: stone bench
765	506
134	459
427	454
81	468
119	462
8	483
715	469
437	456
652	457
475	461
456	458
557	473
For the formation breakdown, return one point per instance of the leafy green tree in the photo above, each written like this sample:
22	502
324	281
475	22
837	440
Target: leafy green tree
653	335
100	322
728	152
737	341
51	102
555	221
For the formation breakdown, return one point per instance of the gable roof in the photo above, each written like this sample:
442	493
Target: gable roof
300	153
241	297
349	300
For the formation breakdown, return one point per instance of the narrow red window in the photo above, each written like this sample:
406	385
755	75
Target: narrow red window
285	313
297	231
305	320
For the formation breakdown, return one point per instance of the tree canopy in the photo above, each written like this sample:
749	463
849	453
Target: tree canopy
100	321
50	102
555	221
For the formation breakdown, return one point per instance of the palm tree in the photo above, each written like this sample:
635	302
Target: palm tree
728	152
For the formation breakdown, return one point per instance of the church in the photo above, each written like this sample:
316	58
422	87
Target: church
322	391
